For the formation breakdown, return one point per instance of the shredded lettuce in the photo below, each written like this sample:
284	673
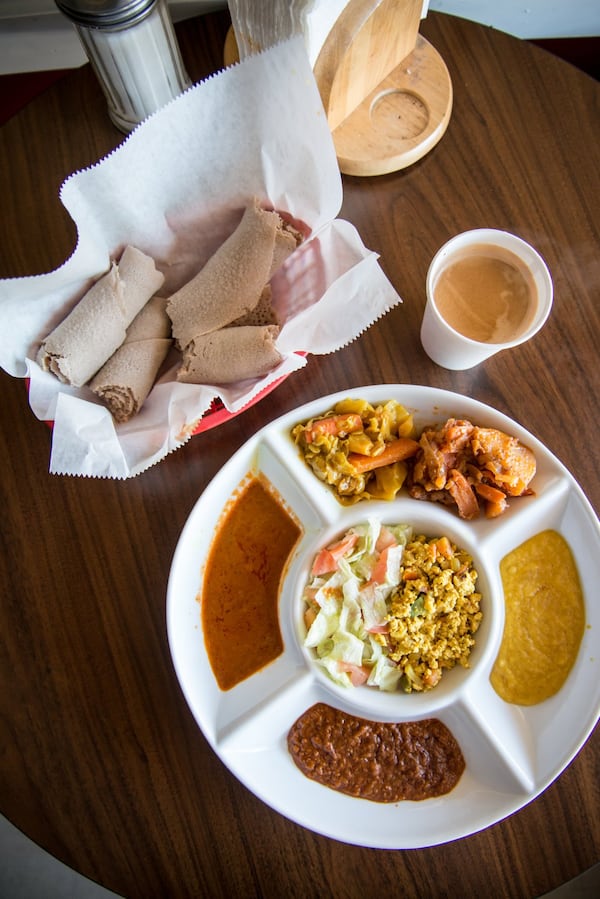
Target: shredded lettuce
350	607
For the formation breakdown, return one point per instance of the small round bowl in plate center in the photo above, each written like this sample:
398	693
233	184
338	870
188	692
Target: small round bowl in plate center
371	701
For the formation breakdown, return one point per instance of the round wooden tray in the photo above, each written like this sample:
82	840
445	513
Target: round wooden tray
401	120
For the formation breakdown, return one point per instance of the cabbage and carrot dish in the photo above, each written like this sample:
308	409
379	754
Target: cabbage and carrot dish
360	450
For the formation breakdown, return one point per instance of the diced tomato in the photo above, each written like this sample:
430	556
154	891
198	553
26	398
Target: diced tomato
379	572
385	539
359	674
379	629
324	563
327	560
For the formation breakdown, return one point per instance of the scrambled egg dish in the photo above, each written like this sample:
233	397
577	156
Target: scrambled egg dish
434	612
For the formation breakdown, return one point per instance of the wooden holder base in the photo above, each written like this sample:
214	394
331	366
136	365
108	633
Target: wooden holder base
401	120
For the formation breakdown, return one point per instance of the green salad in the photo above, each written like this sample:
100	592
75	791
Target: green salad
347	604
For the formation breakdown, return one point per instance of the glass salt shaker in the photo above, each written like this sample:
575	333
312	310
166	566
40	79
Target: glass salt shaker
133	50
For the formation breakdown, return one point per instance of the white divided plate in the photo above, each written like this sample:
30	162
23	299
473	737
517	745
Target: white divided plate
512	753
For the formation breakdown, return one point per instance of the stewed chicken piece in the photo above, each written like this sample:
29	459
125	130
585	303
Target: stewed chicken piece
469	467
503	460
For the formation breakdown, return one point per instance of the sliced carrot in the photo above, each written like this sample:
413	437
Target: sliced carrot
489	493
410	574
444	547
394	451
334	426
493	510
495	500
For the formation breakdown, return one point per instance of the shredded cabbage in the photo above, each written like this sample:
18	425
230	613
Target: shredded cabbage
328	441
347	606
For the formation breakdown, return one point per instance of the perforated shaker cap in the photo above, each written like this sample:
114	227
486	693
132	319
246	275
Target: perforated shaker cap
105	13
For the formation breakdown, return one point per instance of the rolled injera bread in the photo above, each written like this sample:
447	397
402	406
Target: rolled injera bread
231	354
262	314
231	282
124	382
287	239
80	345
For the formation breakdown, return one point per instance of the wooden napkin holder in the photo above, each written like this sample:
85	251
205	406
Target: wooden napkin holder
386	91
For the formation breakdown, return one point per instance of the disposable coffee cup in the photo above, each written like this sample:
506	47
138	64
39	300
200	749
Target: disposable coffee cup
487	291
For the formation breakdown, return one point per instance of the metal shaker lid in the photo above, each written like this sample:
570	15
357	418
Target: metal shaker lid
105	13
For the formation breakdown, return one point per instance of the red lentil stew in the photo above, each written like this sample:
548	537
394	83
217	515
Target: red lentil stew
241	581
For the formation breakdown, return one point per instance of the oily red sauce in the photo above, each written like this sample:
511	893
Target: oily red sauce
374	760
241	584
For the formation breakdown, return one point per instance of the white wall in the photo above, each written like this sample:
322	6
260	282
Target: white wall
529	18
35	36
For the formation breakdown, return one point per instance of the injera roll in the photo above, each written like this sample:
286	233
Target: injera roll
231	283
231	354
287	239
262	314
79	346
124	382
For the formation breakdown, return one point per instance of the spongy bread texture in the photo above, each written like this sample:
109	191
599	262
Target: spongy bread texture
125	380
230	354
78	347
231	283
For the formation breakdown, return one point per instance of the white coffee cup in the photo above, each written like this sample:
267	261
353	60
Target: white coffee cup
443	342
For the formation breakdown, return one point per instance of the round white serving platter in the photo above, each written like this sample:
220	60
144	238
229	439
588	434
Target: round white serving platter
512	753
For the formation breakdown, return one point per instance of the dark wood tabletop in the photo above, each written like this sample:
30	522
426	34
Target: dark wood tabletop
102	762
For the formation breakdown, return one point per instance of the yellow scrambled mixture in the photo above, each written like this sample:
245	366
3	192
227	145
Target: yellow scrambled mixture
434	613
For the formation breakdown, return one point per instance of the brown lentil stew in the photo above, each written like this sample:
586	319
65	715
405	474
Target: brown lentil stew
373	760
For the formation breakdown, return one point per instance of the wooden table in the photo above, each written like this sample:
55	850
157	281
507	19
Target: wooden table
102	763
